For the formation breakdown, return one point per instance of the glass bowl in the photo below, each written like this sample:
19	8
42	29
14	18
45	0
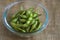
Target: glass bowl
12	8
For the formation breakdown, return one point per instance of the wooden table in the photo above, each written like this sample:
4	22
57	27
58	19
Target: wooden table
52	32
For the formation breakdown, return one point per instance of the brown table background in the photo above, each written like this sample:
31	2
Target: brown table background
52	32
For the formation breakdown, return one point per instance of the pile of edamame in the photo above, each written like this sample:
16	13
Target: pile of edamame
26	21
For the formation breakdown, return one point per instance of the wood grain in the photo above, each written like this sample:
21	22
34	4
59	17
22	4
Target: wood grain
52	32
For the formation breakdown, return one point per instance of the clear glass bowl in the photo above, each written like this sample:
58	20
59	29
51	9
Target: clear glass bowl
12	8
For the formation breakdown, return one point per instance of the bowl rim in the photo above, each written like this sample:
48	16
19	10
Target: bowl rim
18	33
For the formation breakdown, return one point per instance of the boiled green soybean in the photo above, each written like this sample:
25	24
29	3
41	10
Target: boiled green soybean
25	20
34	26
39	26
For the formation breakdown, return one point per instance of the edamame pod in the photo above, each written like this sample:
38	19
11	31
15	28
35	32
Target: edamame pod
30	19
35	15
25	25
23	16
34	26
39	26
33	21
14	20
18	25
22	20
21	30
14	24
28	12
25	20
28	29
23	13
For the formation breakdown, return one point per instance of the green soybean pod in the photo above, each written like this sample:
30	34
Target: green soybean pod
39	26
14	20
28	22
28	29
33	21
28	12
23	12
34	26
23	16
31	15
14	26
21	30
21	25
35	15
20	12
22	20
16	14
30	19
25	25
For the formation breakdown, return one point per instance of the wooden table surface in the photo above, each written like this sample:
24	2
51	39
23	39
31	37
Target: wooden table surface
52	32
